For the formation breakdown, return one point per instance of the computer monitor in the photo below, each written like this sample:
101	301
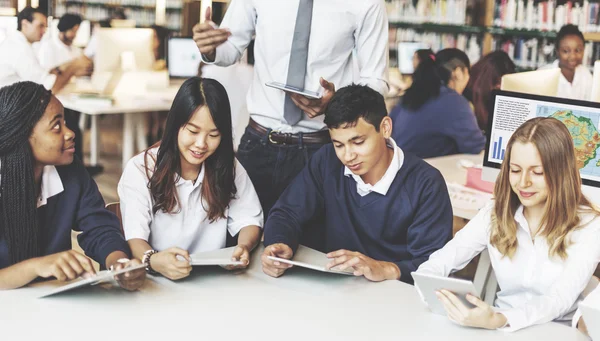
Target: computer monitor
511	109
406	50
183	57
7	24
540	82
119	47
596	83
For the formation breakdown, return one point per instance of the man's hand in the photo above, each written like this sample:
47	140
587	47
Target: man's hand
315	107
373	270
275	268
207	36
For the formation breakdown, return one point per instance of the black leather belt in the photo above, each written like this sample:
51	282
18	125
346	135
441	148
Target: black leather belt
275	137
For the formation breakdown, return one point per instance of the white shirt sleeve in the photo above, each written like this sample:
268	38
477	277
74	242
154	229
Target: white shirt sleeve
245	209
28	68
136	202
372	48
241	20
583	257
466	244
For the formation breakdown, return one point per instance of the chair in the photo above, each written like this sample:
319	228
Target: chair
115	207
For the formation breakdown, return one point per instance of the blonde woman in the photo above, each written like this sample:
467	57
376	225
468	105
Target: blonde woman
542	235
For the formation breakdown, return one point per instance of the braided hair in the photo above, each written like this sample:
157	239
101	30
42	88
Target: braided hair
21	107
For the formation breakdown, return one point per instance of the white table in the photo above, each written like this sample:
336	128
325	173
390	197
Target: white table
214	304
452	172
132	107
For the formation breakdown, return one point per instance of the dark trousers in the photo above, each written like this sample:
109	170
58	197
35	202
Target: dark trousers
72	121
272	167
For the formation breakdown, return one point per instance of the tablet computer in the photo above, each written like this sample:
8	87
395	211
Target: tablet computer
289	88
428	284
312	259
215	257
591	316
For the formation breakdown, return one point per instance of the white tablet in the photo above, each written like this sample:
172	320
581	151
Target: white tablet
429	284
289	88
591	316
312	259
100	277
215	257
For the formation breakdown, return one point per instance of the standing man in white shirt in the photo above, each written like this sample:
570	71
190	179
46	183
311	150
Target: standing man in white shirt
18	61
304	43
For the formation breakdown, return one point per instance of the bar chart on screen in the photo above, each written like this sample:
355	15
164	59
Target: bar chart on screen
498	147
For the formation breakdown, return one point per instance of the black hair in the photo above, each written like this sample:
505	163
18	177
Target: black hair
68	21
27	14
431	74
423	54
218	187
162	33
352	102
21	106
568	30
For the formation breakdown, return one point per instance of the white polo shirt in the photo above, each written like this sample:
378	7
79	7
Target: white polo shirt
53	52
580	88
189	227
18	62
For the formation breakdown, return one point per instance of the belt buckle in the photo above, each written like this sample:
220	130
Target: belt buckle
271	139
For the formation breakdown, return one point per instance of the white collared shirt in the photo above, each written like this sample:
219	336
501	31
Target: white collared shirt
53	52
189	227
386	180
580	88
534	288
51	185
343	33
18	62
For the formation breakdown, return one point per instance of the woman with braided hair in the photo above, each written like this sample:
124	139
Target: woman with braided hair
45	193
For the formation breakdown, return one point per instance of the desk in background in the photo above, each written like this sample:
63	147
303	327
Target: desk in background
214	304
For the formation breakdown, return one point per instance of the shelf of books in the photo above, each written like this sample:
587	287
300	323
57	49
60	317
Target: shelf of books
8	8
142	11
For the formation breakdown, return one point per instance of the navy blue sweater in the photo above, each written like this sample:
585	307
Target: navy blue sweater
444	125
405	226
79	207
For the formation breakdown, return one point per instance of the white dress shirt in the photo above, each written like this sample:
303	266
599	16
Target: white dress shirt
188	228
383	185
580	88
18	62
338	28
53	52
534	288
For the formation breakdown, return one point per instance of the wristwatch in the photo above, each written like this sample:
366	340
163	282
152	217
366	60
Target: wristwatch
146	261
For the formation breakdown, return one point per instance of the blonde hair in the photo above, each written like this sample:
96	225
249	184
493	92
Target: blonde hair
565	200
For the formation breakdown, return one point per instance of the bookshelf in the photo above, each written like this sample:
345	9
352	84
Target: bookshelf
8	7
142	11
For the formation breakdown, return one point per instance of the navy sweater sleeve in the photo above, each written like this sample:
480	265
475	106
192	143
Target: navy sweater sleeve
101	233
462	126
302	200
432	225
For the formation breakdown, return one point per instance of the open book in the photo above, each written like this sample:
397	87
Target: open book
312	259
100	277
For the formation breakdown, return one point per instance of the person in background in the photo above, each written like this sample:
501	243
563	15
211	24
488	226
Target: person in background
433	118
304	43
542	235
18	61
156	120
385	210
420	55
185	195
575	80
486	75
46	193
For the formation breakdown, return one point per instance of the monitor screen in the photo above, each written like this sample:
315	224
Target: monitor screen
512	109
183	57
406	50
7	24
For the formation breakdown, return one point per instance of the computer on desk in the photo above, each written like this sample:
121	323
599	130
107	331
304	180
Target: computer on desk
7	24
596	83
540	82
183	57
511	109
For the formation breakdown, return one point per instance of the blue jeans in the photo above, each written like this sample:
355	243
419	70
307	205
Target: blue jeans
272	167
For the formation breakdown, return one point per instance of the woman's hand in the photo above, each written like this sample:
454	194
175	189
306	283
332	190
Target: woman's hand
482	316
166	263
240	253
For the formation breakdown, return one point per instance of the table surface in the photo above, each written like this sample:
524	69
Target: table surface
214	304
452	172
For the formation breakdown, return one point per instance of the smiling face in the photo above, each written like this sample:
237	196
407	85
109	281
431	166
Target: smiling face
570	52
197	140
362	148
51	141
527	177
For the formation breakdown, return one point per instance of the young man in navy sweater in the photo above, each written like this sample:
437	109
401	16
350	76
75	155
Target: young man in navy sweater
385	211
